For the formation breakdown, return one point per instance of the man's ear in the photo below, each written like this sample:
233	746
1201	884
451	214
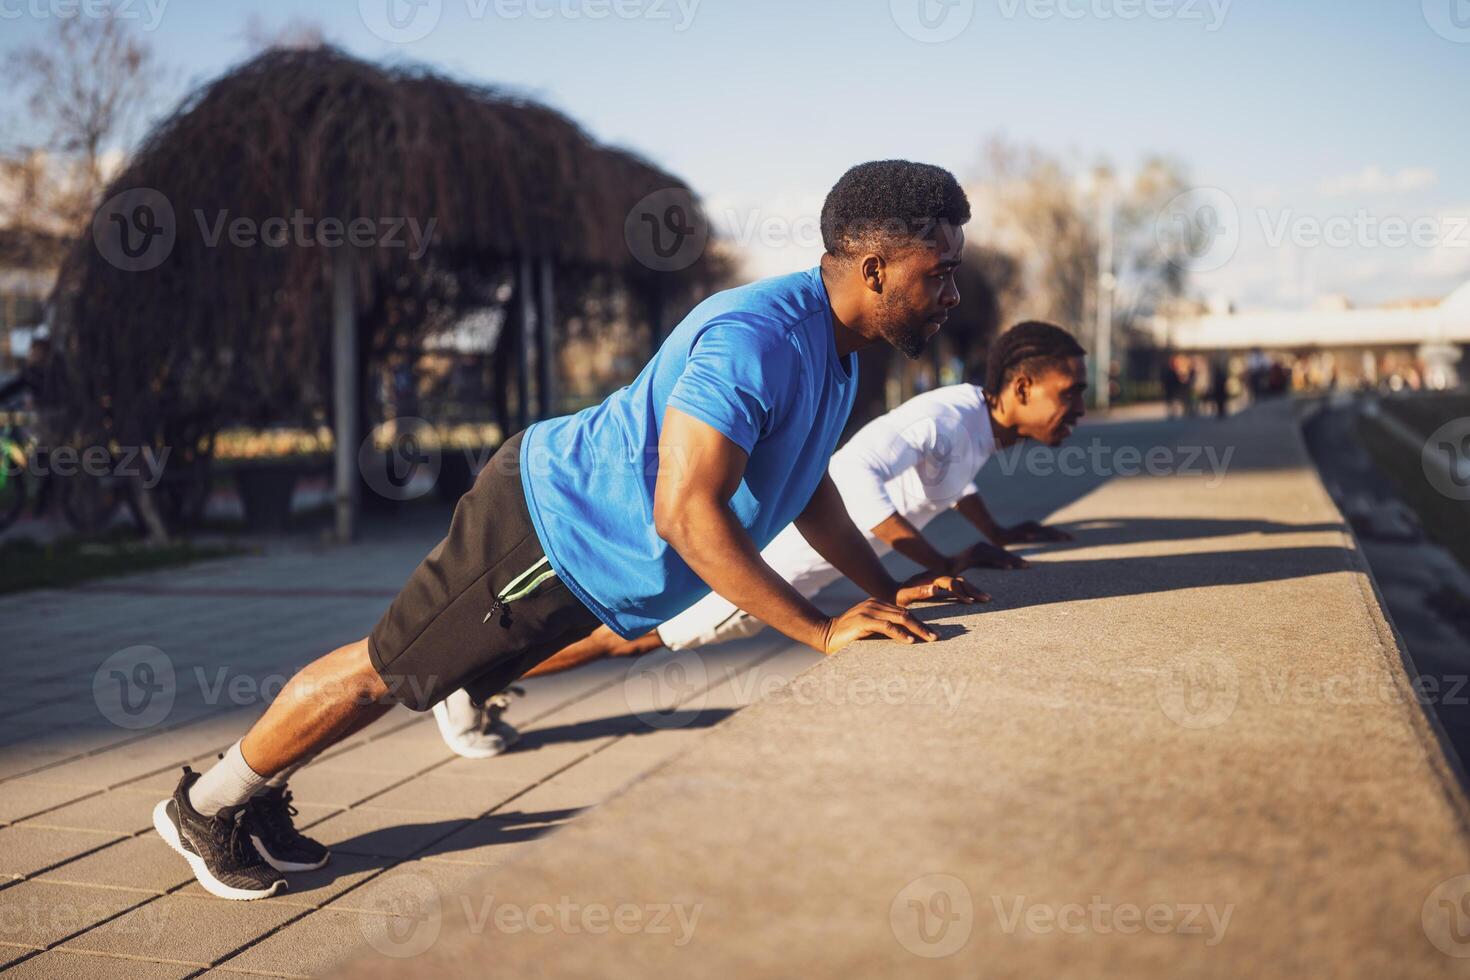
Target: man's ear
1022	388
874	269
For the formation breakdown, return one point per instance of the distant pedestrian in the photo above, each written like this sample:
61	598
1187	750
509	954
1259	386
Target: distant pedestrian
1169	378
1220	387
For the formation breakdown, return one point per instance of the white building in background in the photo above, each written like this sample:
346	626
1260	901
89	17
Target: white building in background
1421	342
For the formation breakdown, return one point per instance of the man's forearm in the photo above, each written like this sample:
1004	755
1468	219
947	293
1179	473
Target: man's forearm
719	550
900	535
973	509
830	531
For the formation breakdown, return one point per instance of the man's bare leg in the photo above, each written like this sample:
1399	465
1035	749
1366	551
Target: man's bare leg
328	699
602	642
232	824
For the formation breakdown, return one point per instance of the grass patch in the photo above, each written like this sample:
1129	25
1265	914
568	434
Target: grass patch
1445	520
26	564
1426	411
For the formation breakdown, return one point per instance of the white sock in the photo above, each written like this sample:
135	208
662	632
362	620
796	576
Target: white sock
279	779
228	783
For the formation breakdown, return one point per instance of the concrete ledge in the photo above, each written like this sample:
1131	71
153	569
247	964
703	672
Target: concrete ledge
1185	744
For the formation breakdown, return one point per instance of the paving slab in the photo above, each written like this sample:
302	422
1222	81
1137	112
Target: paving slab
67	965
492	841
449	795
121	811
386	834
381	894
11	954
314	889
407	752
583	786
143	863
26	850
43	913
318	943
186	930
28	795
326	785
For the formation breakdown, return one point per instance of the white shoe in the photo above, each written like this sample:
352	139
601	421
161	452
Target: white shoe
472	730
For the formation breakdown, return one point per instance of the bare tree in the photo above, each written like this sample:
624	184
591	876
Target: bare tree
1050	216
1147	278
1028	205
87	86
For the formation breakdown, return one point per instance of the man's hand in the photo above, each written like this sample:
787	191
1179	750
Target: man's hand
1028	532
873	618
982	555
928	585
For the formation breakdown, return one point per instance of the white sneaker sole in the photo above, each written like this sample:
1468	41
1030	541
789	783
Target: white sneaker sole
280	865
209	882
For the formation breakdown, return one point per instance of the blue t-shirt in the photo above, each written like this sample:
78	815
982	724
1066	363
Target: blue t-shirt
759	364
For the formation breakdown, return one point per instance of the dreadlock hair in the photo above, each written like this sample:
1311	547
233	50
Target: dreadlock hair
1028	347
890	201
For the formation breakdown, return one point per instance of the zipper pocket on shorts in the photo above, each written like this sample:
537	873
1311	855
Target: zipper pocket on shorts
518	588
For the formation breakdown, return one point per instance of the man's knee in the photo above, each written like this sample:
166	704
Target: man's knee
345	674
367	683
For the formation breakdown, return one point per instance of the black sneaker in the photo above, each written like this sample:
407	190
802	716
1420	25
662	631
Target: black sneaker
268	816
218	848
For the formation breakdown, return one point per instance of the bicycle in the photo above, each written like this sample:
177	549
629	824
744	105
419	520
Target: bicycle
87	503
14	452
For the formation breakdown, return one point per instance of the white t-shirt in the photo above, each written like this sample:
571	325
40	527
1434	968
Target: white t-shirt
918	461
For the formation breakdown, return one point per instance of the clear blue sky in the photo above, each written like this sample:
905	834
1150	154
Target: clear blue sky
1302	111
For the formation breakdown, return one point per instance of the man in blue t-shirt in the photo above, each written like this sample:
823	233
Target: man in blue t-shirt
627	513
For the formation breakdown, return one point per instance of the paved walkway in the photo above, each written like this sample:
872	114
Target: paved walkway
88	889
1050	752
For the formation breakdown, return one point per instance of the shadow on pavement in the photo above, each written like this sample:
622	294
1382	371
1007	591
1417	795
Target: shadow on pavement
1104	578
637	725
384	847
1135	530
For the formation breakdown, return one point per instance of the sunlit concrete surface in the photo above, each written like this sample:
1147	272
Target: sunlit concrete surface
1186	744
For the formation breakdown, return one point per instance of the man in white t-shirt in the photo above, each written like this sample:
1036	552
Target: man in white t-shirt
895	475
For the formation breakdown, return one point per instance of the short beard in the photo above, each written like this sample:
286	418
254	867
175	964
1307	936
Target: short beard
910	343
900	333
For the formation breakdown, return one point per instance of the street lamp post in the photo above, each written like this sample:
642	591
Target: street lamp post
1106	283
344	395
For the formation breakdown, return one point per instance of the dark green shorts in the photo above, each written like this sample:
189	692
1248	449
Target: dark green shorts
484	607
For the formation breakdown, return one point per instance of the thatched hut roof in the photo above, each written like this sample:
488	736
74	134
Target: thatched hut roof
216	329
